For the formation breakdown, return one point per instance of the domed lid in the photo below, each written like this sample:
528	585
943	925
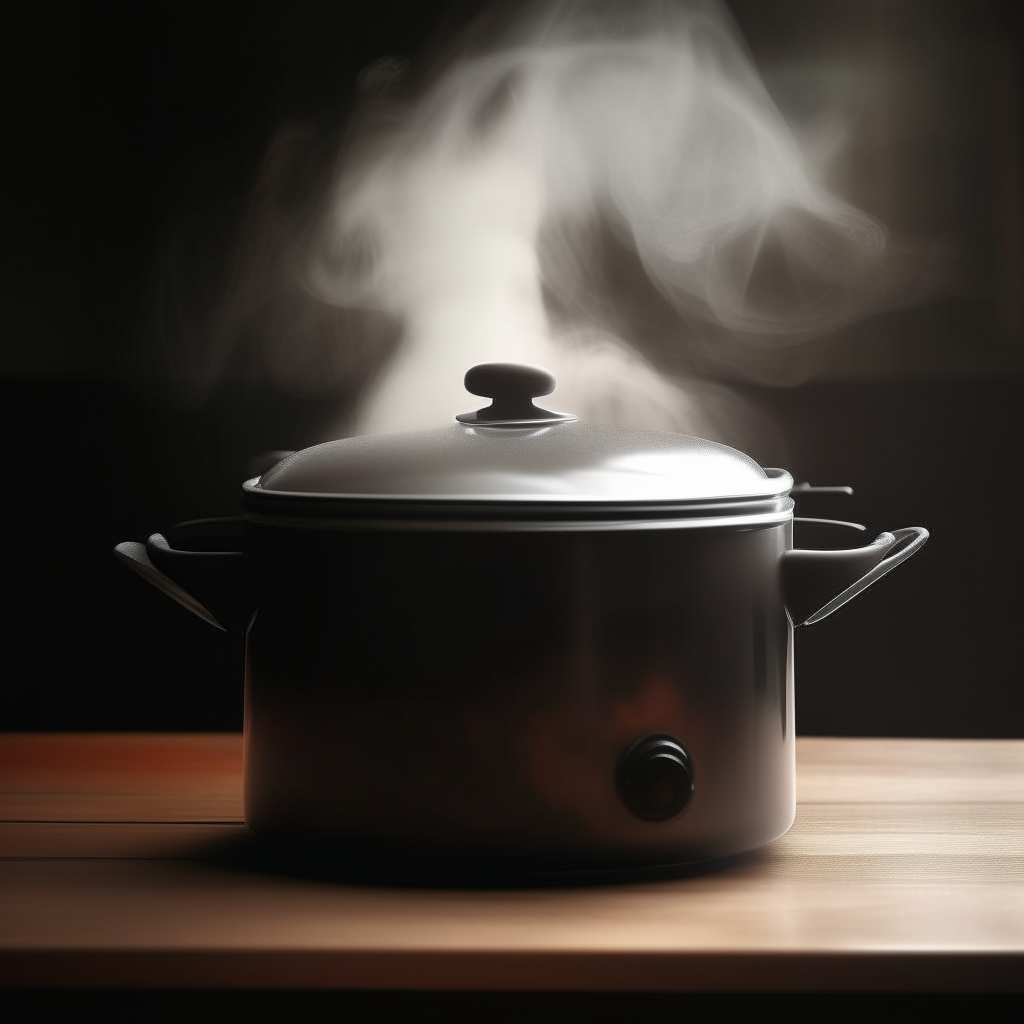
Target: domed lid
514	454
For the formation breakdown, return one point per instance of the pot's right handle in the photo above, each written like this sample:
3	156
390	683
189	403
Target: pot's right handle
817	583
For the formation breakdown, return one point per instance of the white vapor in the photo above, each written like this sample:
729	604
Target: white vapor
471	217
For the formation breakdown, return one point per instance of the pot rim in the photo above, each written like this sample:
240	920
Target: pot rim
529	511
432	513
522	526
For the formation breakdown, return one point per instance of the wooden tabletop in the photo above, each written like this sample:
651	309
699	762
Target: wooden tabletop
904	871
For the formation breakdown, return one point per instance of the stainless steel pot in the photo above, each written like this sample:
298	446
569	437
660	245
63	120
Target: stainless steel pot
520	639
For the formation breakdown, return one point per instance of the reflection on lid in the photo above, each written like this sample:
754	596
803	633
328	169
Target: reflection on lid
572	461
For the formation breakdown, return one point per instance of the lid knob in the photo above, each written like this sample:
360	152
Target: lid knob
512	388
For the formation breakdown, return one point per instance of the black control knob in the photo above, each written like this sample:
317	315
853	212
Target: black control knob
654	777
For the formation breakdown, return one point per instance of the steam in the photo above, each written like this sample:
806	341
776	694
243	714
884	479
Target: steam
478	216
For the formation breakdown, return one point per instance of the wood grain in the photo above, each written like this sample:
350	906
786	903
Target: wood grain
909	771
119	840
120	777
905	872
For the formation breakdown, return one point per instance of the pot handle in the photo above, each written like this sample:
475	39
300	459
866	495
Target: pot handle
134	555
817	583
210	583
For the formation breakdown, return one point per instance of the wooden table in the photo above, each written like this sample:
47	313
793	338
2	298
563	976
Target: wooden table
904	872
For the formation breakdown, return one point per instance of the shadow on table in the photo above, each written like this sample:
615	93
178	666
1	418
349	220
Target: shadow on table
251	853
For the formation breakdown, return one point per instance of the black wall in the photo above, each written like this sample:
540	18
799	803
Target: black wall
126	121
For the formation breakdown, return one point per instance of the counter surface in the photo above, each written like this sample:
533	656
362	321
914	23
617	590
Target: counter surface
904	871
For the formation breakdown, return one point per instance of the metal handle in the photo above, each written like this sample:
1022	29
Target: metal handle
908	541
134	555
818	583
203	568
801	489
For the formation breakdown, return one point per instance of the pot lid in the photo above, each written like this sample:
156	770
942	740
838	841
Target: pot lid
514	452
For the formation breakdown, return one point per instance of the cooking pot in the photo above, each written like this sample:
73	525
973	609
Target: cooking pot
519	639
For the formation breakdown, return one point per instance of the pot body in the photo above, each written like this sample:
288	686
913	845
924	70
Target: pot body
471	693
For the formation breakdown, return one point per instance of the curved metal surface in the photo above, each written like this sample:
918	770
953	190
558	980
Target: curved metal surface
565	463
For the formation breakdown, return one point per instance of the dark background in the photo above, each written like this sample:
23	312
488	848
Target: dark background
131	126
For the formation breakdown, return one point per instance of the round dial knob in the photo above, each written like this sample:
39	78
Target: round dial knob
655	777
513	387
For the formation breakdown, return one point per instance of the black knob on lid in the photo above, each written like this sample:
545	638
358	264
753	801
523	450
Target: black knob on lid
512	386
655	777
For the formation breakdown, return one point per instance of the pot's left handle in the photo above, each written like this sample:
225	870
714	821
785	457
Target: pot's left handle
204	570
817	583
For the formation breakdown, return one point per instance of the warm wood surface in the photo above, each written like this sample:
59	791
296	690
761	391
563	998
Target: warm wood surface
904	870
120	777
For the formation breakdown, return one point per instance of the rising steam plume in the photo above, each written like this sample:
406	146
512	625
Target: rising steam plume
476	216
